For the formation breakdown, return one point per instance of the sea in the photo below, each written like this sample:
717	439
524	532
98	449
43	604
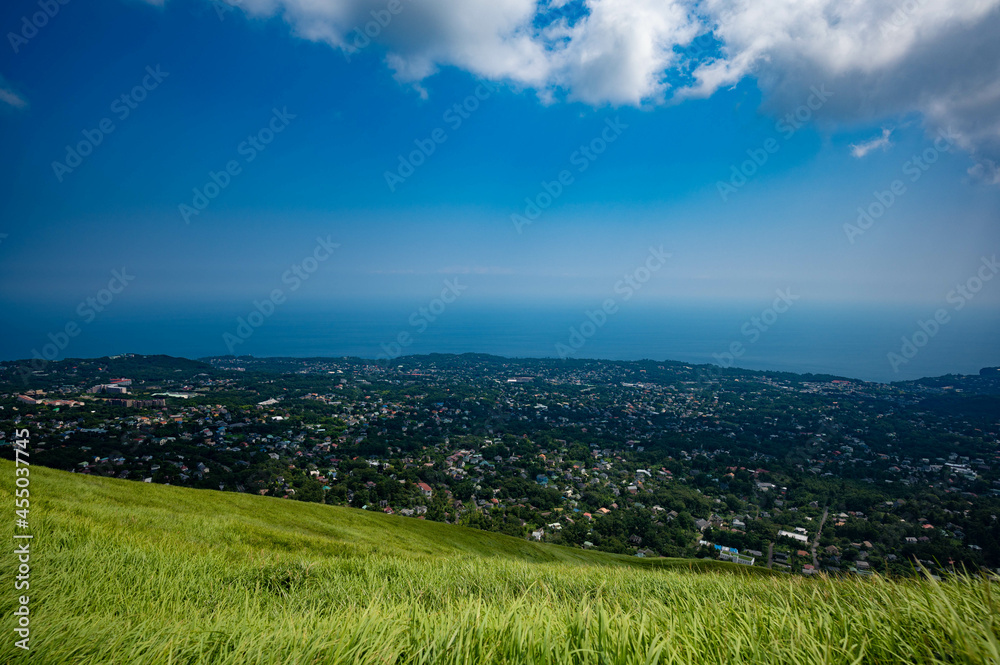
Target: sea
874	343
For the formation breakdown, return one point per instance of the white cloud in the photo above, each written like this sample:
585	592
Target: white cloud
882	58
491	38
595	51
986	171
859	150
621	52
10	97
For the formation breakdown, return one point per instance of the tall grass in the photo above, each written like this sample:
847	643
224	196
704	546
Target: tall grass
127	573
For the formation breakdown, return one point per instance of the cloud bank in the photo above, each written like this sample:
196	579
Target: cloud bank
883	58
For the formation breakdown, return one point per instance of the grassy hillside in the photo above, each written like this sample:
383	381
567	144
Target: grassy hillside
134	573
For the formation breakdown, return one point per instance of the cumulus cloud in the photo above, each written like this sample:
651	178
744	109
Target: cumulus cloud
620	53
595	51
882	58
859	150
491	38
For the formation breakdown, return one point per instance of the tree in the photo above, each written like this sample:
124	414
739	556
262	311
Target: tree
311	490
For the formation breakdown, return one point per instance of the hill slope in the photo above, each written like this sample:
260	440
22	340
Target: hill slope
133	573
236	526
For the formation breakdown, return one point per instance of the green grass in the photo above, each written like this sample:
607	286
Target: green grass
135	573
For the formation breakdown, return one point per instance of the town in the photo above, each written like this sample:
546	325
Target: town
796	473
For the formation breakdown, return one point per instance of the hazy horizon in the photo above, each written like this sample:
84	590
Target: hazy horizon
845	340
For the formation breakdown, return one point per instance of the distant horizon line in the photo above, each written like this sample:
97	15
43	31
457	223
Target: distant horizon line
375	361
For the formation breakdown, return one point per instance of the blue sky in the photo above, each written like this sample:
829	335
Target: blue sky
685	119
